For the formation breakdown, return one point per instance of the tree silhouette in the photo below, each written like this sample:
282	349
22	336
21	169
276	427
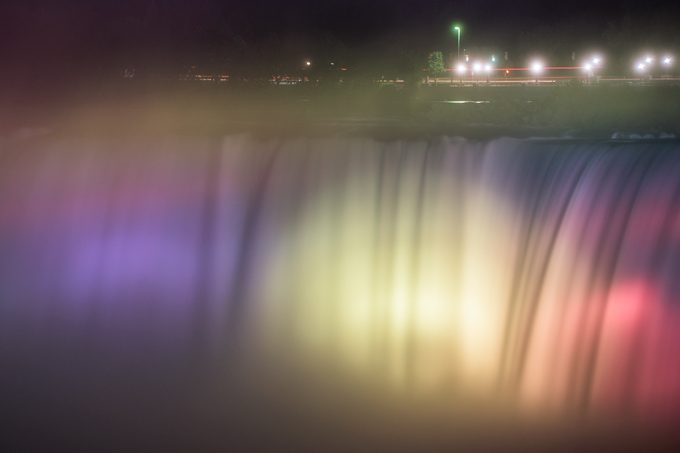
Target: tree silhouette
435	64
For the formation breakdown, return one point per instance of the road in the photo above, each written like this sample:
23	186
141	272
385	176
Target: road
533	81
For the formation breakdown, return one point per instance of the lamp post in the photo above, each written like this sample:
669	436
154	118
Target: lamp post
456	29
667	64
461	69
536	69
641	68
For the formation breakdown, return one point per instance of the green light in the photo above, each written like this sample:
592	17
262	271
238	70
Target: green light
457	30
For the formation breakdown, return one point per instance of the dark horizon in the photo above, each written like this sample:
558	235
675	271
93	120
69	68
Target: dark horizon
63	37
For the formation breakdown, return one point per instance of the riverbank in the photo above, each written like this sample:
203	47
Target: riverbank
594	112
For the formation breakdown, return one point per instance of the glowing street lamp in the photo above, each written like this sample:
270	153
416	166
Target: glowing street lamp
588	69
456	29
536	68
641	68
667	61
592	65
461	69
488	69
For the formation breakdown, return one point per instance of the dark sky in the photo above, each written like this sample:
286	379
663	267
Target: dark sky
58	33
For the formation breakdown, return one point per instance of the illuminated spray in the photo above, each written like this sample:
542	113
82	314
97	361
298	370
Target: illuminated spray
528	274
488	271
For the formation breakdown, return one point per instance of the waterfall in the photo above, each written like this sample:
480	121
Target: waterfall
530	274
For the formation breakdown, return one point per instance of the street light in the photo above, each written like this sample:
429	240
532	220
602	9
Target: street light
592	65
461	69
588	70
641	68
488	69
536	67
456	29
596	59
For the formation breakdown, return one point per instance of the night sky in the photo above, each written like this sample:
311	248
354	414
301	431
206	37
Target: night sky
109	33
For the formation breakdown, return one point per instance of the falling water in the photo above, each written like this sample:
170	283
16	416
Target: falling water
536	275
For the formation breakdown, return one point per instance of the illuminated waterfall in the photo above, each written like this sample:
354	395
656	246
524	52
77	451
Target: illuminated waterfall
529	273
532	272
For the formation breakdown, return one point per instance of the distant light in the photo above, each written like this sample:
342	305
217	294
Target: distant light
493	58
488	68
641	67
461	68
308	63
476	66
649	59
536	67
597	60
667	61
588	67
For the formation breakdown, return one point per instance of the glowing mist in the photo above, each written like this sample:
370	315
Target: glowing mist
529	274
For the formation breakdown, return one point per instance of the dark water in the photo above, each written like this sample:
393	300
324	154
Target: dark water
188	293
